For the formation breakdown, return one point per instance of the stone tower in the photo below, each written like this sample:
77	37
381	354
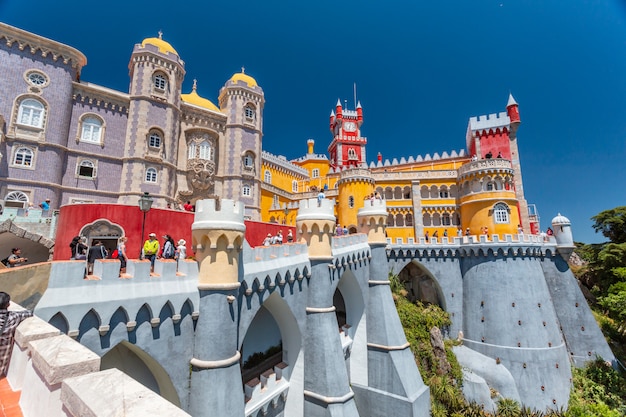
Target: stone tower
239	166
156	77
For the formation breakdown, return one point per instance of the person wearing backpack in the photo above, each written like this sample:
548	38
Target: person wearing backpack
121	253
169	246
14	259
97	251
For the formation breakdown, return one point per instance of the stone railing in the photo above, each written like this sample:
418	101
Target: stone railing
493	164
269	390
60	377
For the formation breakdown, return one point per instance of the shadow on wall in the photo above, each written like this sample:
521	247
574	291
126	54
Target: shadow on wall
26	284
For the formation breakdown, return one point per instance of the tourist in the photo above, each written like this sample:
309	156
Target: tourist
151	249
549	232
9	322
489	155
78	248
181	250
279	238
436	234
121	253
445	232
16	258
467	232
520	229
426	236
345	231
459	232
268	240
45	205
499	155
320	197
188	206
290	237
169	248
97	251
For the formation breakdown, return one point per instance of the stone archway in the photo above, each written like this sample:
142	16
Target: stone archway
103	230
421	285
35	247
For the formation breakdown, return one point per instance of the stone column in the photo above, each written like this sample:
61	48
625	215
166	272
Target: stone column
216	387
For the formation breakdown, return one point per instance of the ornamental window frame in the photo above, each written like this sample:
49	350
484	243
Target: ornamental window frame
248	161
205	151
294	186
501	213
91	129
16	198
23	157
155	139
246	190
249	113
151	175
267	176
36	78
83	166
352	156
160	82
315	173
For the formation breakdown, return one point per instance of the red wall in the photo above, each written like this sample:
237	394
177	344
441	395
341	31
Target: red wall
72	218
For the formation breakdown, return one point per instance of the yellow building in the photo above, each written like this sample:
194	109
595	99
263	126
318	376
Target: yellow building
475	191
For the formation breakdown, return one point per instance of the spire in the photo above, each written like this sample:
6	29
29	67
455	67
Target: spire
160	34
338	103
332	113
243	70
511	101
195	85
358	105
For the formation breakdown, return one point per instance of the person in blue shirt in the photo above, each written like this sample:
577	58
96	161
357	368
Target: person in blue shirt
45	205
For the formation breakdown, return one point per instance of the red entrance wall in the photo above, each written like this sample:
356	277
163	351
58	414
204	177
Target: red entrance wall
74	217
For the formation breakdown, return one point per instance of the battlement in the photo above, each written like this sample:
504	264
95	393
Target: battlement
226	215
373	207
490	121
418	159
314	209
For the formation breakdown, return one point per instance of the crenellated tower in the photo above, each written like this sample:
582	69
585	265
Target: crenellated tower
156	76
347	148
218	235
239	166
355	186
315	224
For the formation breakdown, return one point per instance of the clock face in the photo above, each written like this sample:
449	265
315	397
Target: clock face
349	126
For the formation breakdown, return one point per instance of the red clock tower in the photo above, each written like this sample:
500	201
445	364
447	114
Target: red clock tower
347	148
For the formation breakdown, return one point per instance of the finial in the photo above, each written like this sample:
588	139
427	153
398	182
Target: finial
160	34
243	70
195	84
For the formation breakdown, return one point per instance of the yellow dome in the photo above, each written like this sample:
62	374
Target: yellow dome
240	76
163	46
195	99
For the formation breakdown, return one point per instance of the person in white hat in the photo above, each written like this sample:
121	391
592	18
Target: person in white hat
268	240
181	250
151	249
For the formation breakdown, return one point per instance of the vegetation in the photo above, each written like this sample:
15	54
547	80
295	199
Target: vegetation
598	389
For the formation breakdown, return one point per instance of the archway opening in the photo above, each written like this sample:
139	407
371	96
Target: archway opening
420	285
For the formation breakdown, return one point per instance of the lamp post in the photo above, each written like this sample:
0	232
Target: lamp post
145	203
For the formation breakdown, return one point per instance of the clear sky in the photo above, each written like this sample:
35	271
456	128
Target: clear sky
421	70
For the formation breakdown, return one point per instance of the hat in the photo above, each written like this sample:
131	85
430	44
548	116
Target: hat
47	199
182	242
152	234
269	235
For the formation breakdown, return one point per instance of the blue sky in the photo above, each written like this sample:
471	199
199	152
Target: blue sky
421	69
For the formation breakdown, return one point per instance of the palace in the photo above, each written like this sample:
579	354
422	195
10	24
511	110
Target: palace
71	141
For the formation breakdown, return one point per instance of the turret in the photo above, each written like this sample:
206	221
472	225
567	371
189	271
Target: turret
316	222
310	144
563	235
372	218
512	110
338	109
332	120
359	113
218	234
379	157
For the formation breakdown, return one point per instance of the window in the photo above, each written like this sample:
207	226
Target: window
399	220
16	199
250	113
443	193
409	219
86	169
206	152
151	175
23	157
445	219
160	82
246	191
351	153
294	186
154	140
248	161
191	150
501	213
31	113
351	202
315	173
268	177
91	130
276	202
490	186
390	219
36	78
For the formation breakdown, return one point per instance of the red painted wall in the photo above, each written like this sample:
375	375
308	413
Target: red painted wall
72	218
495	142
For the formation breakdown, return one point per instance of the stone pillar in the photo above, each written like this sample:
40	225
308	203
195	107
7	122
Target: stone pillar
326	384
218	234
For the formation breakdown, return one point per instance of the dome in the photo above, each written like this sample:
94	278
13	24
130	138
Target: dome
195	99
164	47
241	76
561	220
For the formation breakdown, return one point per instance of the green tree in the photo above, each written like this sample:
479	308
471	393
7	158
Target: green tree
612	224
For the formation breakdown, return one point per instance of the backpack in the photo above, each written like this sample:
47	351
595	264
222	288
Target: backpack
5	261
115	254
168	251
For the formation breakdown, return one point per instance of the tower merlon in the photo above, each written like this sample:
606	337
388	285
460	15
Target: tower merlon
227	215
490	121
314	209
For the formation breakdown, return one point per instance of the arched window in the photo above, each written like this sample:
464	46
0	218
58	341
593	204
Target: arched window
151	175
388	193
407	193
86	168
445	219
246	191
408	219
31	113
424	192
191	150
351	153
16	199
294	186
399	220
397	194
154	140
248	161
351	202
443	193
501	213
267	176
91	130
206	151
315	173
390	219
160	81
23	157
249	112
426	219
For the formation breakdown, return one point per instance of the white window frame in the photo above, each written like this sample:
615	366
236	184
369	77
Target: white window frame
36	78
191	150
155	140
31	113
501	213
249	113
267	176
294	186
91	129
446	219
206	151
26	156
16	199
315	173
151	175
88	163
160	81
246	191
248	161
352	154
